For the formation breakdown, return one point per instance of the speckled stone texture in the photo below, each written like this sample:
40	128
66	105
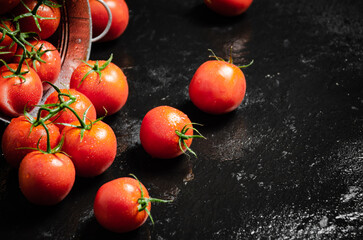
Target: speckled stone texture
287	164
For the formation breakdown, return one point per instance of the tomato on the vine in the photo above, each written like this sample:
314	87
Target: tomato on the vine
7	45
228	7
217	86
49	20
48	68
92	150
8	5
81	105
166	132
120	18
20	134
46	178
19	92
104	83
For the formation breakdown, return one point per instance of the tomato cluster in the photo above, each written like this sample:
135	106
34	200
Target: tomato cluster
67	137
28	60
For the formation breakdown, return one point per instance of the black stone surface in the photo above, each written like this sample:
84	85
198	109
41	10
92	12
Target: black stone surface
287	164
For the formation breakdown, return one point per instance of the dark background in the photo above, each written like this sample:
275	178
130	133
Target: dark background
288	163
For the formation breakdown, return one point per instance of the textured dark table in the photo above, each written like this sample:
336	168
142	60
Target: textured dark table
288	163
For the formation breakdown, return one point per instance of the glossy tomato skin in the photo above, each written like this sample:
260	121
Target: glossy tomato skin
228	7
81	104
48	71
217	87
109	92
7	42
17	94
95	153
120	18
115	205
46	179
20	133
47	26
157	132
7	5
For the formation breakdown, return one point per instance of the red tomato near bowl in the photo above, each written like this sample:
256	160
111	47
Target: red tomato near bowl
7	46
81	104
217	87
20	134
46	10
46	179
120	18
228	7
95	152
116	205
7	5
106	91
49	70
158	132
17	94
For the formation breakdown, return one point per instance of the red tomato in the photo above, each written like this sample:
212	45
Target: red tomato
17	94
7	41
7	5
95	153
20	133
228	7
217	87
46	179
116	205
120	18
47	26
109	92
157	132
81	104
48	71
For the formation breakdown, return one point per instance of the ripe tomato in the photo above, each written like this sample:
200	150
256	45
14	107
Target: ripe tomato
120	18
7	5
81	104
16	94
20	133
217	87
95	152
46	179
47	26
6	43
116	205
48	70
158	132
109	92
228	7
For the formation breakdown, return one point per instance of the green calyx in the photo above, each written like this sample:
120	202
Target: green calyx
183	137
144	201
96	68
33	13
230	60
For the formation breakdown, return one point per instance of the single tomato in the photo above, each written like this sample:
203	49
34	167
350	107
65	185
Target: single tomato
107	89
117	202
228	7
94	152
161	132
18	94
81	104
7	5
50	14
21	134
7	45
120	18
46	179
217	87
49	70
